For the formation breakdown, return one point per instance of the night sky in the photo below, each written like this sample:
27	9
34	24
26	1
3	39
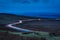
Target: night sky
35	8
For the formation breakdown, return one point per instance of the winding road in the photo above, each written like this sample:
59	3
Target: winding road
21	22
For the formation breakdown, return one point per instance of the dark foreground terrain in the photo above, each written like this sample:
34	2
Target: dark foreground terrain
52	26
45	24
7	36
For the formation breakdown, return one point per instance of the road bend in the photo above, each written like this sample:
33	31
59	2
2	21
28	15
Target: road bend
21	22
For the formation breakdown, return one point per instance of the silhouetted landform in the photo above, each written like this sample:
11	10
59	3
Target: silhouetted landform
45	24
10	18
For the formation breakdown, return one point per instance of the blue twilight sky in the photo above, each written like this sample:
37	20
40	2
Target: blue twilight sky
37	8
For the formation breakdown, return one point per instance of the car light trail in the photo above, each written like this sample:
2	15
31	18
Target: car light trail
20	22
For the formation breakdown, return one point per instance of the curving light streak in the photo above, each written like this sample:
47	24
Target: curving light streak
20	22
